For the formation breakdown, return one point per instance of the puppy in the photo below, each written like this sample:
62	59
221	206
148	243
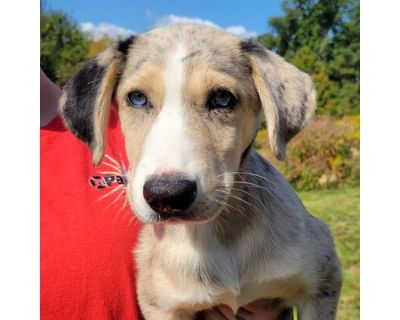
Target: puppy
222	226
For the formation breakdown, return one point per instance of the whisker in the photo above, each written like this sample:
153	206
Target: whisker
222	219
133	219
111	192
121	194
112	159
270	192
118	197
111	172
249	194
117	168
124	205
252	184
244	201
124	171
227	205
247	173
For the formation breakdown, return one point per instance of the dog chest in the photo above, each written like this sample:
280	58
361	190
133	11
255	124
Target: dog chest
193	276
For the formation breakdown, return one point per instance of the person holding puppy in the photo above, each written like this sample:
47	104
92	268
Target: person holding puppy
87	230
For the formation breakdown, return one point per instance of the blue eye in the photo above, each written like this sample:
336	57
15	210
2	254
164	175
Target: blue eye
137	99
221	99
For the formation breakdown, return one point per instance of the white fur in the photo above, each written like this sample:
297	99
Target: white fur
167	148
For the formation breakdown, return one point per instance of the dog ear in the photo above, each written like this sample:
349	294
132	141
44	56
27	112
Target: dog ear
287	95
85	103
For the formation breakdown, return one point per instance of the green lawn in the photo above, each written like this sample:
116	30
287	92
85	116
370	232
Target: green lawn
340	210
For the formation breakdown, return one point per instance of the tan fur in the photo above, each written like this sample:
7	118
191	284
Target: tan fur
61	102
270	112
102	112
148	79
105	57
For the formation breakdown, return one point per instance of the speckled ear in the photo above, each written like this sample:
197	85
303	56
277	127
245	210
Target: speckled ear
86	100
287	95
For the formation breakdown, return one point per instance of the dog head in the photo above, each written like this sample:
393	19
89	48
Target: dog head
189	99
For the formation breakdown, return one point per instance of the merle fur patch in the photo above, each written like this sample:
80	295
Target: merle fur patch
124	45
82	90
250	46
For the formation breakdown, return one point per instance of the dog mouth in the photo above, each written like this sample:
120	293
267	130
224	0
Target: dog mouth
182	219
175	217
201	213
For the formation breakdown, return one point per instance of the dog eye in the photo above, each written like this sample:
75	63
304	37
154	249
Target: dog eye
137	99
221	99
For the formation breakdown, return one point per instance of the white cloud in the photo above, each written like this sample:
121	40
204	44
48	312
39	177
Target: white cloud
238	30
241	32
113	31
173	19
105	29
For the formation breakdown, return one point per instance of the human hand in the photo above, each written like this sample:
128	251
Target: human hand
222	312
257	310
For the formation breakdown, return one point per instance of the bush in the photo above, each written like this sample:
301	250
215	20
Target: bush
324	155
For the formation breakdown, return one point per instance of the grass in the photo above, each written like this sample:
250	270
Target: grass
340	209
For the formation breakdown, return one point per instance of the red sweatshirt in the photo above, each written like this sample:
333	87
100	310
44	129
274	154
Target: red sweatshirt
87	236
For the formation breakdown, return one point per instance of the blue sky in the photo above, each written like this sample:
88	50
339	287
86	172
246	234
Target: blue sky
119	17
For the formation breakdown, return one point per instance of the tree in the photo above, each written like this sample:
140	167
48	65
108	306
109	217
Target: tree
322	38
63	46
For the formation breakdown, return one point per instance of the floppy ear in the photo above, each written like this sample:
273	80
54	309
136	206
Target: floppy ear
85	103
287	95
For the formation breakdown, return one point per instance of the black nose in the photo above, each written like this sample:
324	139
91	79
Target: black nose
169	194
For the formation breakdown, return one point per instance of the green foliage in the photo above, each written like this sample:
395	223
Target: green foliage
63	46
322	38
324	155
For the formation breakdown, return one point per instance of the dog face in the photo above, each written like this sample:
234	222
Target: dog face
189	97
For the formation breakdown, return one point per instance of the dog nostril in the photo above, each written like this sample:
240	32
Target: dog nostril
169	194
